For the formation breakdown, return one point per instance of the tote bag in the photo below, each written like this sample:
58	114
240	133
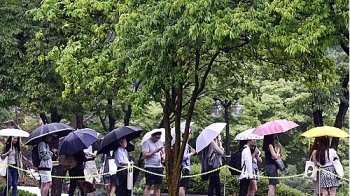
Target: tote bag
112	166
310	170
338	167
3	166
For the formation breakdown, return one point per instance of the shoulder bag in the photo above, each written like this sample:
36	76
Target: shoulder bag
213	161
3	166
310	170
280	164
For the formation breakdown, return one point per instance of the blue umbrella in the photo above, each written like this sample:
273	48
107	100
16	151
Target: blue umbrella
57	129
77	140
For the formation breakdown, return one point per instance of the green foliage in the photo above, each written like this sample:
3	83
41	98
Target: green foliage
20	192
232	185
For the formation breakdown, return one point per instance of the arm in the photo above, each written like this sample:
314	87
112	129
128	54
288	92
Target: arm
216	148
146	151
274	154
247	160
5	154
44	153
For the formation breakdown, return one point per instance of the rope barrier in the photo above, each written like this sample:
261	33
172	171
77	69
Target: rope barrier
183	176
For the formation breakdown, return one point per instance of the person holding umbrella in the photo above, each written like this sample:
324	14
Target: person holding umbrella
90	169
271	168
121	158
13	152
324	157
45	166
153	153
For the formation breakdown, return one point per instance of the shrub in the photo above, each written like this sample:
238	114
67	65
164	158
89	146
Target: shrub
20	192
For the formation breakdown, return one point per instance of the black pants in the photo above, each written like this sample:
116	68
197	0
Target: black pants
214	183
122	188
73	181
243	186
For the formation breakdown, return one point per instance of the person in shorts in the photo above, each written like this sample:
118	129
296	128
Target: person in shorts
90	169
45	166
108	179
186	165
153	153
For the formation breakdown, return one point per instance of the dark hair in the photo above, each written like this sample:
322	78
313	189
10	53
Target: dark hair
315	145
242	143
8	144
322	148
121	140
268	139
156	133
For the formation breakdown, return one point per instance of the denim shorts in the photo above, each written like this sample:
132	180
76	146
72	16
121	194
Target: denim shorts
153	179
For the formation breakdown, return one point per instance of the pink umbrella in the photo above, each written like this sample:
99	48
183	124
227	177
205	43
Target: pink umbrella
275	126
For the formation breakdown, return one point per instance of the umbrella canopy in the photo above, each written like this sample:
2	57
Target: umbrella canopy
77	140
58	129
325	131
248	135
208	135
274	127
148	135
182	130
109	142
14	132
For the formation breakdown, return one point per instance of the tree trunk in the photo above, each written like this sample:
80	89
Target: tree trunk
318	118
56	187
343	108
111	117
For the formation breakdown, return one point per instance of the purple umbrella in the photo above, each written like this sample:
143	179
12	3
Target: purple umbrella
77	140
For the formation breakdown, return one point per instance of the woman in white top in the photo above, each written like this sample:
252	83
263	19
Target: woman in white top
324	157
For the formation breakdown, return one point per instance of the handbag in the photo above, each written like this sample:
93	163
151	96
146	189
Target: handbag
213	161
3	166
338	167
112	166
310	170
280	164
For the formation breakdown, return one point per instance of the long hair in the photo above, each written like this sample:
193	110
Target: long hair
322	149
268	139
315	145
8	144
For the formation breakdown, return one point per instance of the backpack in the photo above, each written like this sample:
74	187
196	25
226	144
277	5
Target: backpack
35	156
204	159
67	161
236	162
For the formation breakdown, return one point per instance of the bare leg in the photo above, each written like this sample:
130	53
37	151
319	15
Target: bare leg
156	190
271	191
324	191
253	187
332	191
108	188
147	190
113	187
44	190
94	185
182	191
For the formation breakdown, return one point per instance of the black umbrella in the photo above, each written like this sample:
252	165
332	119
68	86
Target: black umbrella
109	142
77	140
57	129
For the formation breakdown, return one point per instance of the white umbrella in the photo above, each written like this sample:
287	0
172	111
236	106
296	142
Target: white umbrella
248	135
182	129
14	132
208	135
148	135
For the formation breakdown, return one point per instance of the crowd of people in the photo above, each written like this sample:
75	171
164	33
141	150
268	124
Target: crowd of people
153	154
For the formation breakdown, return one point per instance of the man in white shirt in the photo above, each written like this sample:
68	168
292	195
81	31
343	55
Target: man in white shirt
153	153
247	171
